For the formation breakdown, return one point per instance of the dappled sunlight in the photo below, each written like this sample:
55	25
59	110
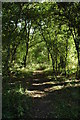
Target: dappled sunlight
37	72
40	60
72	80
39	90
35	93
73	85
37	84
58	87
77	85
44	83
53	88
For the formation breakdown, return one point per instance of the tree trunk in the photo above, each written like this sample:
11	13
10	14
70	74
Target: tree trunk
78	54
14	51
53	65
27	42
66	56
8	58
7	64
77	45
48	56
25	58
56	51
56	64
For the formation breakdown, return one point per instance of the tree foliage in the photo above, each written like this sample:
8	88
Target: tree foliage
40	30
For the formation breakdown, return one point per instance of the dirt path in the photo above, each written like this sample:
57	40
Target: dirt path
41	104
50	98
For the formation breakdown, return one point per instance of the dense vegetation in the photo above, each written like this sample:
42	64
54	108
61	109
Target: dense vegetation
42	37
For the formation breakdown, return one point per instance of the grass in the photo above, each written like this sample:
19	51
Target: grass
15	103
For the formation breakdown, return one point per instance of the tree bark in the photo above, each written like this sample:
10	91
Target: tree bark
48	57
27	42
25	58
66	56
77	45
78	54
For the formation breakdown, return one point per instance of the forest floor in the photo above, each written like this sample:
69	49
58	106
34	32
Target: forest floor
53	98
50	98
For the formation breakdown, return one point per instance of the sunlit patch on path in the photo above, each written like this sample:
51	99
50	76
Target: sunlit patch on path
36	93
37	72
49	96
42	86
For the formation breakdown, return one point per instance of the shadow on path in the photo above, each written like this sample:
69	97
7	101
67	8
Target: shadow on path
51	98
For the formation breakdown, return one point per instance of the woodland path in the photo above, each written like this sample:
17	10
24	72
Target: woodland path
50	97
42	104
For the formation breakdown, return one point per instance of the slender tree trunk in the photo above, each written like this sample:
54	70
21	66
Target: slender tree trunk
56	64
25	58
14	52
56	50
8	58
53	66
51	59
15	46
78	54
27	42
66	56
77	45
78	50
48	56
7	64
